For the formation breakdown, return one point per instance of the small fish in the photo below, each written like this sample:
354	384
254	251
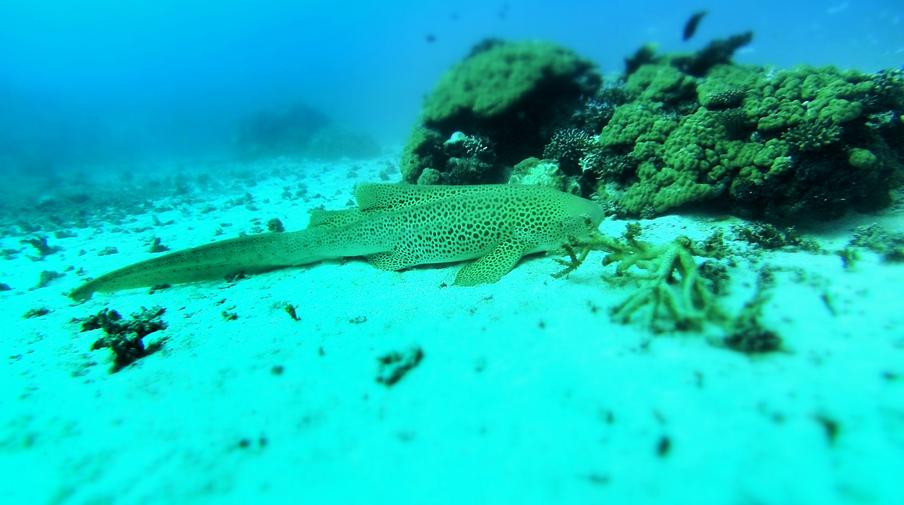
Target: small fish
690	27
430	38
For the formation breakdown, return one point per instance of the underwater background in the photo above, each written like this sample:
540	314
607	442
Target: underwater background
708	310
105	80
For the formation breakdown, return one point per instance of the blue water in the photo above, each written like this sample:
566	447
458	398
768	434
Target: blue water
105	80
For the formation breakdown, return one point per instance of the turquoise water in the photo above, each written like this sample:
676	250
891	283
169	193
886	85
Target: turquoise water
107	80
726	348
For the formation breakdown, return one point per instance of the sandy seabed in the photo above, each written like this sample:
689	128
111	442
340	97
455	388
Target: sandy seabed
527	392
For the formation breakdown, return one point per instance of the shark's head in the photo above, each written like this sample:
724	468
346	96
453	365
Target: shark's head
583	217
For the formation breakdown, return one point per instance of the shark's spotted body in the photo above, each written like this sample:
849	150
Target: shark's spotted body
395	227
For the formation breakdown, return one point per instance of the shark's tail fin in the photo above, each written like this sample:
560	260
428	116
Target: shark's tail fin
251	254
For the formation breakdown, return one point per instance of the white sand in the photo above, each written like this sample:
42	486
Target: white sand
527	393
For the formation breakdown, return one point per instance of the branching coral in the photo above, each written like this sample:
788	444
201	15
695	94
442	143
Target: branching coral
669	280
604	164
669	283
672	291
568	146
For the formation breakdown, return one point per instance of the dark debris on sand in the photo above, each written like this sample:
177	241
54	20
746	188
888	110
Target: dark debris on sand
124	336
40	244
395	365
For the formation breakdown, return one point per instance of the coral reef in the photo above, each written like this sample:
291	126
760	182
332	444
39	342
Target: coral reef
334	143
301	130
676	130
513	94
781	145
278	131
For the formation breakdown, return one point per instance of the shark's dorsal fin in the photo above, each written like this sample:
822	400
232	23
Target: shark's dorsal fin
389	196
396	196
333	218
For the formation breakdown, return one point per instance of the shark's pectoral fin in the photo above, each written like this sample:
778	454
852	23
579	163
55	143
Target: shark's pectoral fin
392	261
493	266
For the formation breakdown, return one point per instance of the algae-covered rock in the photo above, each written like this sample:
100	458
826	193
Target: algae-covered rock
862	159
779	144
423	150
495	80
510	93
